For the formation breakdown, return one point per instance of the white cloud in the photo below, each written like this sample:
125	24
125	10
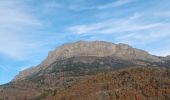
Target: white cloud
136	15
128	30
79	5
12	15
113	26
4	68
14	21
14	45
115	4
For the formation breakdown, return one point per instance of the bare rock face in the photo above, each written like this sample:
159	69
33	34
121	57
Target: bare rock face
98	49
167	57
81	48
95	48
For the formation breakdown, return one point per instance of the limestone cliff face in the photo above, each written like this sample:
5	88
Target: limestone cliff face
95	48
98	49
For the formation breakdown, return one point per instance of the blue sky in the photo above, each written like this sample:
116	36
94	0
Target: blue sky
29	29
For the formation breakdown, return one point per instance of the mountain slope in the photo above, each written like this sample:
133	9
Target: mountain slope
71	64
137	83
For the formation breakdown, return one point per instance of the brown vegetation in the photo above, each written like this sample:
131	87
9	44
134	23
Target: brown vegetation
129	84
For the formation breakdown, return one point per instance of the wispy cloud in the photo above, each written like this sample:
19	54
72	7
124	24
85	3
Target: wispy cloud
127	29
12	13
16	46
113	4
14	21
4	68
113	26
117	3
79	5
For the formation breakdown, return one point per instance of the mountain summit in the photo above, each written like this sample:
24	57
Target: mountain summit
90	49
98	49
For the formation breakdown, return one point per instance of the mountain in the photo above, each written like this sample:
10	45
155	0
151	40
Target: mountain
70	67
91	49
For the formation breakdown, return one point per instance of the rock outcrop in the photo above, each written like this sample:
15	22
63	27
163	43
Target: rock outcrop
96	49
167	57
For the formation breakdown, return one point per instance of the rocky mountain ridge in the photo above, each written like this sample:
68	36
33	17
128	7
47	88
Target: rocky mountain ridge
98	49
91	49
